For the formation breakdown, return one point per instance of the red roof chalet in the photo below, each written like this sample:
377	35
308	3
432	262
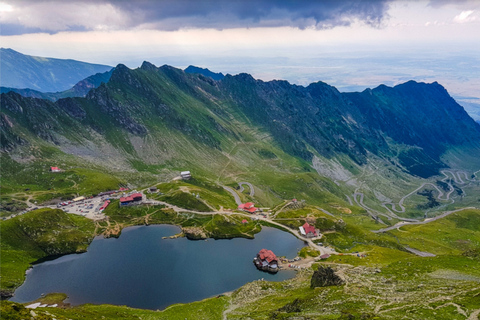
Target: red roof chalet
309	229
267	255
244	221
248	207
266	260
54	169
132	197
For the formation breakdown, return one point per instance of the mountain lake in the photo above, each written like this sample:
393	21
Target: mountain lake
142	270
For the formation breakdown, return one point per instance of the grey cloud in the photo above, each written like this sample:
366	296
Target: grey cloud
10	29
252	13
223	14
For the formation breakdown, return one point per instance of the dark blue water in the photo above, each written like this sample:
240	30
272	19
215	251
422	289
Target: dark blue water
142	270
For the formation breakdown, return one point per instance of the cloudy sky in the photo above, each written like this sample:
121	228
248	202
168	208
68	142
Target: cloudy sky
352	44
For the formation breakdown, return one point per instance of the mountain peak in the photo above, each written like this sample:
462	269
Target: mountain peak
148	66
205	72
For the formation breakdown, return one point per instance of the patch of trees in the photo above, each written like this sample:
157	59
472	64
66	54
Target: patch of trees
443	185
432	202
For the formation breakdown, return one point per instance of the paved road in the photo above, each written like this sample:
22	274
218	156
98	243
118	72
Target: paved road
349	200
420	253
404	223
234	194
373	213
325	211
296	233
252	190
456	177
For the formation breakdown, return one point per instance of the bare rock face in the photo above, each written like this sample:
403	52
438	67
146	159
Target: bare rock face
194	233
325	277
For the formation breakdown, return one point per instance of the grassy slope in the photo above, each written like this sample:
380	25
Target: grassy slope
215	226
36	235
387	283
452	235
206	309
34	179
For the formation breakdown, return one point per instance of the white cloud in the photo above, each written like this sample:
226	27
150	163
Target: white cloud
465	16
5	7
57	16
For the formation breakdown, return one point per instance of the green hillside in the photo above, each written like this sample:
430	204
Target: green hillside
314	143
351	164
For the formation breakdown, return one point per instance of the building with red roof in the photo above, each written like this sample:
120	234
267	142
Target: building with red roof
133	198
55	169
248	207
308	230
105	204
266	260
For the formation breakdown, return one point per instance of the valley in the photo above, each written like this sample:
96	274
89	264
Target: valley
393	194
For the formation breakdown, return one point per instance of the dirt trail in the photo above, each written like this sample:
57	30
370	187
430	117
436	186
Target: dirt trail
475	315
230	308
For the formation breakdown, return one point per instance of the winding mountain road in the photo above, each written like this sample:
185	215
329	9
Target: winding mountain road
405	223
440	192
235	195
252	190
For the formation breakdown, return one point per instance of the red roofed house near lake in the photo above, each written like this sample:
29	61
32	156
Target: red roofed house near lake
266	260
248	207
131	199
308	230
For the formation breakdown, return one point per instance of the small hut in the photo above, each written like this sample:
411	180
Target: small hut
186	175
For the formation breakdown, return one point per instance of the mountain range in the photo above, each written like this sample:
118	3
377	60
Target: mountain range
157	121
22	71
78	90
389	176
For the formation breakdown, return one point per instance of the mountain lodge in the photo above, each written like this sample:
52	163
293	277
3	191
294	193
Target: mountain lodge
308	230
266	260
248	207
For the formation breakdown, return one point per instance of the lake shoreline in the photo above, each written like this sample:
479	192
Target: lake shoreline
209	287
